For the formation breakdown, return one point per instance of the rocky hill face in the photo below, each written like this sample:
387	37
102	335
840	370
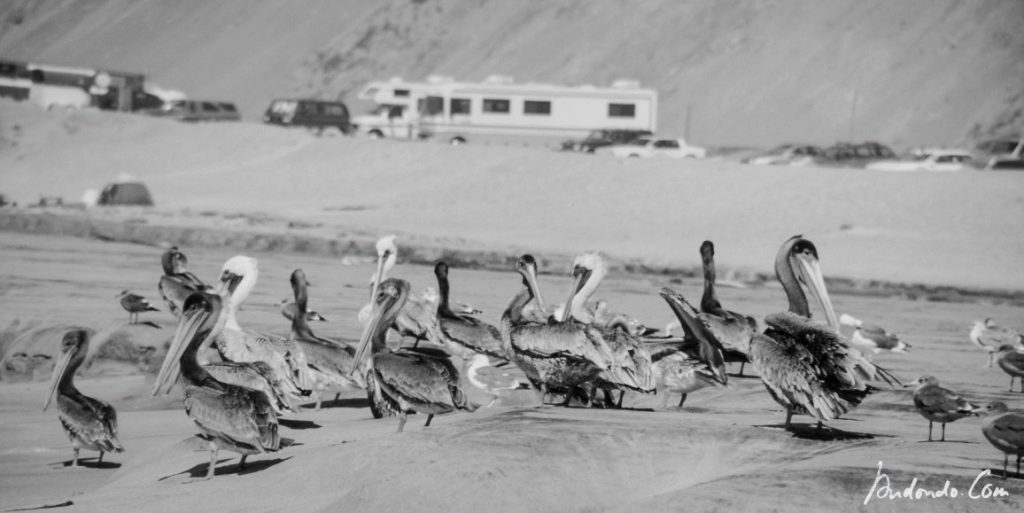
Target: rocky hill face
757	73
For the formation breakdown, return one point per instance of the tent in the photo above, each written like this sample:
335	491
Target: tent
126	193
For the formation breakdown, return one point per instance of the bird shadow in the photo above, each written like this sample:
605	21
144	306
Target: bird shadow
298	424
998	472
354	402
151	324
946	442
825	433
87	463
200	470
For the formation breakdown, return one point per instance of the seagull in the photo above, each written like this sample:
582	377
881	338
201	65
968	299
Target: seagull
988	336
135	304
872	339
938	404
1005	431
1011	360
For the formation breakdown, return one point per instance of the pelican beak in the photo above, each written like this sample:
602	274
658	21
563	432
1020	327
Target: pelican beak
193	320
371	329
582	275
379	275
530	274
809	272
710	347
58	373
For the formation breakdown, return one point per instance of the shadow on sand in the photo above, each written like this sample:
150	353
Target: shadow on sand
298	424
199	471
998	473
354	402
88	463
825	433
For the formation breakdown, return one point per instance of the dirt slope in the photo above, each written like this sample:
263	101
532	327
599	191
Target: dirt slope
748	73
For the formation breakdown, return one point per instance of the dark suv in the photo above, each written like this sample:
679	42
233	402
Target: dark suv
320	115
195	110
604	137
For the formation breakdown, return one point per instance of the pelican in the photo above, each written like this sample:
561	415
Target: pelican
177	283
807	367
1011	359
330	362
685	370
418	318
871	339
135	304
938	404
734	330
465	335
230	417
285	358
289	309
556	356
1004	430
88	422
989	336
422	380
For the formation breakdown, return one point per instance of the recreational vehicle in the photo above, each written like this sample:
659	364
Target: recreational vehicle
395	114
498	108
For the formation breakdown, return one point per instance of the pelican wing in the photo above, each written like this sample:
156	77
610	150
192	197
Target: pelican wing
175	291
420	378
474	334
836	364
568	340
239	415
256	376
90	420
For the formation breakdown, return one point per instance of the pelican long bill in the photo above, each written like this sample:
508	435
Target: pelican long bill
192	319
58	374
809	271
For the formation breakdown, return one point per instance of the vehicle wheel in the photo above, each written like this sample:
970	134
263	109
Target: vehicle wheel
375	134
457	141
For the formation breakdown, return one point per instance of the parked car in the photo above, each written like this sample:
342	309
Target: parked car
646	147
195	110
926	160
324	117
1005	153
604	137
786	155
855	155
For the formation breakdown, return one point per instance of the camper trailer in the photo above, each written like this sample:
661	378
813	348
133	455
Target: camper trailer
500	109
395	114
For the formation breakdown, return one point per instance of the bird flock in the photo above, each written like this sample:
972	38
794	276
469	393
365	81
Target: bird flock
237	382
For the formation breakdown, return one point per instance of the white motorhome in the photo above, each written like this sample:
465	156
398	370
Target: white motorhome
395	115
498	108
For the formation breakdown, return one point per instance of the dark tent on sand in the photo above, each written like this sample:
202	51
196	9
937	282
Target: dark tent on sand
126	193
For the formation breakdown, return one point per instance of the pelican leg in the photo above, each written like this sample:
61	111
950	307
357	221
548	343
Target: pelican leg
1019	456
543	392
430	417
789	416
241	463
74	459
1011	383
742	364
401	421
943	432
664	398
929	431
99	460
682	399
319	400
622	393
213	460
1006	462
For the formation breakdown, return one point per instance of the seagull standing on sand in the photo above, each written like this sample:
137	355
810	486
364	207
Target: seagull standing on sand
1004	430
871	339
808	367
1011	360
938	404
88	422
990	337
135	304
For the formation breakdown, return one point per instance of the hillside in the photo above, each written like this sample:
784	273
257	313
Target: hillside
744	73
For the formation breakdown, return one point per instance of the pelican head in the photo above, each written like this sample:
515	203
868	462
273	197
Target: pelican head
387	256
707	252
238	277
201	319
390	298
73	347
588	269
167	260
526	266
797	264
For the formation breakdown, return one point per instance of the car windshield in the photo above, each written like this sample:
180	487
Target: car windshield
639	142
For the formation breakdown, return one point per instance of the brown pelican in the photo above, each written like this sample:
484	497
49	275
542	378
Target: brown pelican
330	362
870	339
685	369
135	304
938	404
630	366
422	380
1004	430
807	367
230	417
989	336
462	334
556	356
734	330
177	283
1010	358
88	422
238	277
289	309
